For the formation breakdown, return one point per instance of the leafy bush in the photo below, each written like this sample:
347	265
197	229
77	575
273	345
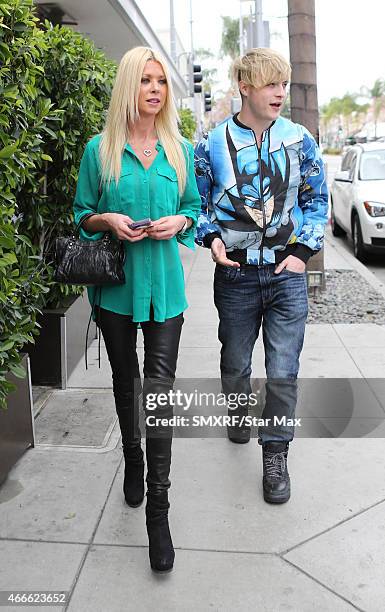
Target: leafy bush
331	151
54	87
25	114
78	79
187	124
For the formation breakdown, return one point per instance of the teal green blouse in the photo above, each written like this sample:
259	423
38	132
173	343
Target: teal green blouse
153	269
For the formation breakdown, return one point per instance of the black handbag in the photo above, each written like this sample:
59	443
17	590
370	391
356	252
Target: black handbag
89	262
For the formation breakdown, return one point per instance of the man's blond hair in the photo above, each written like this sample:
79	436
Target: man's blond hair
260	67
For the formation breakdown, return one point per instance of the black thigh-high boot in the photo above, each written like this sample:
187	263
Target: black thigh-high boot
161	550
133	484
161	341
120	333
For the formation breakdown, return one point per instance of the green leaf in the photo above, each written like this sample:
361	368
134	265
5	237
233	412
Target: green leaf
6	346
18	370
9	258
7	243
8	151
46	157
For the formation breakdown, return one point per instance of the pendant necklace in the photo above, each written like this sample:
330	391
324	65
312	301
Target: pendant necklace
146	150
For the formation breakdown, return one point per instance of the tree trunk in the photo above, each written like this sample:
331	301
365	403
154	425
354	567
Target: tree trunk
303	87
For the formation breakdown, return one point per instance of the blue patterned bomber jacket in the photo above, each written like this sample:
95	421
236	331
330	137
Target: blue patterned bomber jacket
265	202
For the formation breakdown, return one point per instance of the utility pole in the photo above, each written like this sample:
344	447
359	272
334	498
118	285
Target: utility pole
303	92
241	48
197	98
259	30
172	33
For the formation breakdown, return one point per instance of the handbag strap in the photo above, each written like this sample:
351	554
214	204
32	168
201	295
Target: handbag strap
97	321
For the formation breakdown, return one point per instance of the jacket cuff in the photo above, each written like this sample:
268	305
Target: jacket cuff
208	239
303	252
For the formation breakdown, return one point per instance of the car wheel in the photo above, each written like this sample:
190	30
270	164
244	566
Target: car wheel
358	243
337	230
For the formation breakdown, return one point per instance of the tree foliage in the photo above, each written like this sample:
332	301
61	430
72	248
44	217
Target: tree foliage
187	124
376	94
345	107
230	37
208	74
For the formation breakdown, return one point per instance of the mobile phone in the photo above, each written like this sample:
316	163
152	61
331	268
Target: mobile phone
140	223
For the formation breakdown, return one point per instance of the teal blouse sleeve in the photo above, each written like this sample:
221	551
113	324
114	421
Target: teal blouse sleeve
190	201
87	190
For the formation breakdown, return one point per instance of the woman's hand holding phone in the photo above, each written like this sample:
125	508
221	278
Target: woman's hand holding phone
122	227
125	228
166	227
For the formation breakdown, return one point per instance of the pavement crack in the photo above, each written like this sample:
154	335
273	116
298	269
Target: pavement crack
321	533
90	543
322	584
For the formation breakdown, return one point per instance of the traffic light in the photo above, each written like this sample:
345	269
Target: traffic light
195	74
207	101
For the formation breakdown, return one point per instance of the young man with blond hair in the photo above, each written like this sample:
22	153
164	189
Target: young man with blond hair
264	208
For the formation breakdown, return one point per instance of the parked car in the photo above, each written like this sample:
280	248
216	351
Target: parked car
357	198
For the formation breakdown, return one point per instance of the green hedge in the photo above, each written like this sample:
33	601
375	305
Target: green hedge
25	114
54	87
78	79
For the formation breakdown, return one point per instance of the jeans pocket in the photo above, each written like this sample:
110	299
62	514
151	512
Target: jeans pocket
292	272
227	273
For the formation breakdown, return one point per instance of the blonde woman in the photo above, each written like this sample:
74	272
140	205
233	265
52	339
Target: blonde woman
139	168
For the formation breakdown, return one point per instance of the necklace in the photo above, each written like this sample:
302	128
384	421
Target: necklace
146	150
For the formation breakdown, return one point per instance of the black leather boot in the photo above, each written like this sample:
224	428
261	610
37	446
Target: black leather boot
133	484
161	342
238	432
276	479
161	550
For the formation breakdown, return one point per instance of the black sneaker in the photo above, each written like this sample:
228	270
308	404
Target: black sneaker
276	479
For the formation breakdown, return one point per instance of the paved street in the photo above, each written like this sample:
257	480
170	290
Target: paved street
64	524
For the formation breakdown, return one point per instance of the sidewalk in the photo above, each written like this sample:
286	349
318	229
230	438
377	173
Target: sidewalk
64	525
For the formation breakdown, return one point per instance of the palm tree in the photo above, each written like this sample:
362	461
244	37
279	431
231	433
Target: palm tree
303	88
377	95
302	41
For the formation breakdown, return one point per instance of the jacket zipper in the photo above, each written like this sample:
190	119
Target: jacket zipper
261	198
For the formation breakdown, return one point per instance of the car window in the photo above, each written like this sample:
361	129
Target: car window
352	166
345	164
372	166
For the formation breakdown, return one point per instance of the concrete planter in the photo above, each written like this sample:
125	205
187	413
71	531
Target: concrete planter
61	342
16	422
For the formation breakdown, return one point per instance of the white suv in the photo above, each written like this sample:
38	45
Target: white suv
357	198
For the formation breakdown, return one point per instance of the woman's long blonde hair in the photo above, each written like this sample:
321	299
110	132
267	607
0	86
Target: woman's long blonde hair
123	111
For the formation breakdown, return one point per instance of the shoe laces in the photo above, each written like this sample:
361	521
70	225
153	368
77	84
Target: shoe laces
275	464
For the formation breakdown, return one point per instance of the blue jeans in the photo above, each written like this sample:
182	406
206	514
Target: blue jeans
246	298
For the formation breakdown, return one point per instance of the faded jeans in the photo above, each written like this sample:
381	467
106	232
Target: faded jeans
246	299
